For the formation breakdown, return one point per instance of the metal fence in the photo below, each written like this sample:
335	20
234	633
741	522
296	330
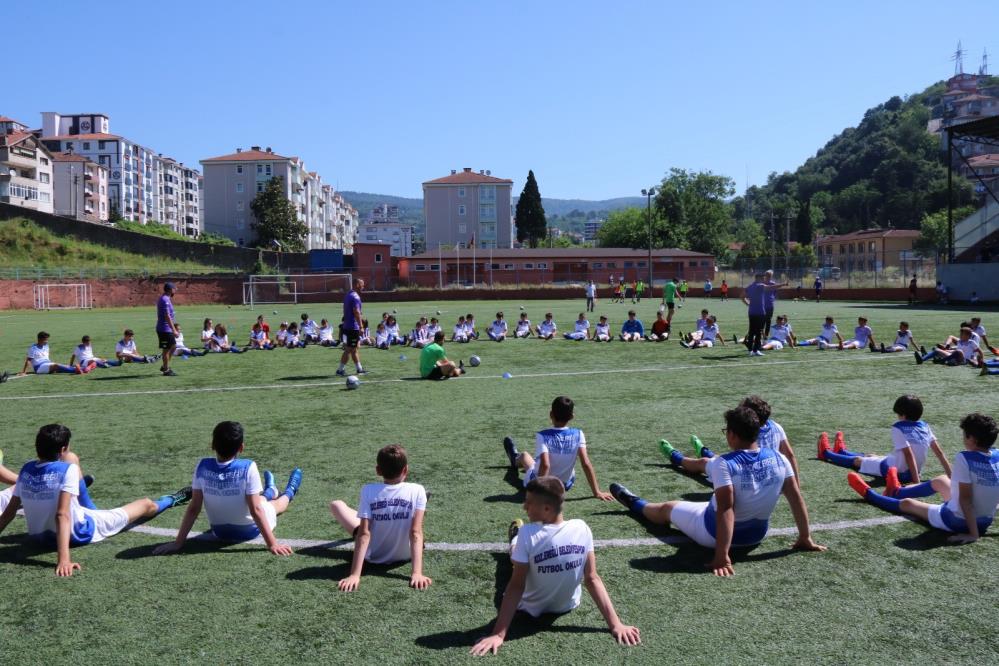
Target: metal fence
849	271
98	273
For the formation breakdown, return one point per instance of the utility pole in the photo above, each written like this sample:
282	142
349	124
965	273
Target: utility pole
773	241
649	193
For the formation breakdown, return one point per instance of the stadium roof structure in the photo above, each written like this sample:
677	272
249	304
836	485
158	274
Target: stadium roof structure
984	131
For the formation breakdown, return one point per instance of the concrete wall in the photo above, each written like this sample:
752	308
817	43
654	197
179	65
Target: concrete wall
962	279
130	241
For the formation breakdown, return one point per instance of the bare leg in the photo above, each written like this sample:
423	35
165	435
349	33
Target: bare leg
694	465
141	508
941	484
659	513
280	504
344	515
525	461
915	508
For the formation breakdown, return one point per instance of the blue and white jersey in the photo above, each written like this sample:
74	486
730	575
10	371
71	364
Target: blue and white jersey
862	334
432	330
562	446
582	326
258	336
914	435
498	327
85	353
981	470
459	332
309	327
326	334
701	323
225	486
39	355
771	435
523	325
757	479
903	339
419	334
382	337
603	329
781	333
392	330
547	327
709	333
828	332
976	338
124	347
39	485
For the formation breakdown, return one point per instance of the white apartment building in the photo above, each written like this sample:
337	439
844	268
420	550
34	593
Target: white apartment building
10	126
80	187
25	171
399	236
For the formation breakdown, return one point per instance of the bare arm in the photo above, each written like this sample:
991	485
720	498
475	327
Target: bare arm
591	476
256	506
800	512
24	368
721	565
938	452
623	634
7	476
9	513
190	515
910	460
417	579
65	566
544	464
511	599
965	498
785	448
361	541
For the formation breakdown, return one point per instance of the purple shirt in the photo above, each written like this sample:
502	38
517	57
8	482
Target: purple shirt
351	302
771	296
164	314
756	294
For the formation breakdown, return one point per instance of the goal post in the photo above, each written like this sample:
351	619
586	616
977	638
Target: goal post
261	292
61	296
294	288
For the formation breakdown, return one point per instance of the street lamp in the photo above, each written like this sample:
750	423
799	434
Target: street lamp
649	193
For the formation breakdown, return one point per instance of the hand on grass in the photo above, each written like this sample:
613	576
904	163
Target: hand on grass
487	645
66	569
808	545
420	582
280	549
962	539
721	567
626	635
349	584
167	548
601	495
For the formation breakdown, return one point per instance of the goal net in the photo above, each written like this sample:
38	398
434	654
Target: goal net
303	288
63	296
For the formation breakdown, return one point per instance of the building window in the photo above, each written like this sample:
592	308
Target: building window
267	169
45	162
461	192
611	264
487	193
378	257
260	186
487	212
494	267
629	264
528	266
462	228
597	264
86	145
239	205
239	187
69	145
239	168
542	266
43	177
461	210
842	249
260	168
420	267
873	246
101	145
435	267
641	264
508	267
692	264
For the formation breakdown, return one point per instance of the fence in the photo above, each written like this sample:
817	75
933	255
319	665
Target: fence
850	270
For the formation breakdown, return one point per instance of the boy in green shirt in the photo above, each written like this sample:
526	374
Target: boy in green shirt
434	363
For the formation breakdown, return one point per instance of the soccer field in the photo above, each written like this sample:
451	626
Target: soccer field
887	590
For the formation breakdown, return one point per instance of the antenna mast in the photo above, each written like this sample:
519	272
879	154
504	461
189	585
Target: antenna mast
958	59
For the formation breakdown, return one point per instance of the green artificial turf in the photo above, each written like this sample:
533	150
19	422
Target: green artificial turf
894	592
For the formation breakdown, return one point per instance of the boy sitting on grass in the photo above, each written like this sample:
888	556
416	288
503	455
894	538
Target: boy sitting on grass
239	506
825	336
552	558
747	481
556	450
57	506
965	351
84	357
388	524
976	473
911	439
38	360
8	478
127	352
903	338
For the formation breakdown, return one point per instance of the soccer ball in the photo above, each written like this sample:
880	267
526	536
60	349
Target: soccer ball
521	308
438	312
507	375
353	382
394	311
474	361
274	312
662	308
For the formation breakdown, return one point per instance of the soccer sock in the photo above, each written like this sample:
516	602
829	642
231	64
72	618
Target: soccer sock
676	457
707	453
889	504
841	459
924	489
84	498
342	367
163	503
930	354
853	454
805	343
358	366
66	369
637	505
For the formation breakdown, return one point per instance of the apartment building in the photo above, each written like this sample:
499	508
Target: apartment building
25	170
467	207
10	126
80	188
868	249
398	236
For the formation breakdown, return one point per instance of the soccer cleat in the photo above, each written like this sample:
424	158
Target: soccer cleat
182	496
270	488
667	449
294	483
4	376
984	371
882	348
758	353
823	446
622	494
698	445
511	451
892	484
362	371
839	443
735	338
685	344
922	349
514	529
858	484
341	373
870	344
88	479
919	358
169	373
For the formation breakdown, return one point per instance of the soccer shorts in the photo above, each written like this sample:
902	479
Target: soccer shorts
942	518
688	517
351	336
775	344
107	522
245	532
436	374
874	465
5	496
167	339
705	343
533	474
42	368
671	306
897	348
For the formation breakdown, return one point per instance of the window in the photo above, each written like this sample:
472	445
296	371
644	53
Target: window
239	205
461	192
239	168
420	267
641	264
487	212
101	145
611	264
435	267
629	264
378	257
692	264
267	169
528	266
842	249
597	264
461	210
44	196
43	177
239	187
494	267
86	145
260	168
45	161
462	228
260	186
542	266
508	267
487	193
873	246
69	145
705	263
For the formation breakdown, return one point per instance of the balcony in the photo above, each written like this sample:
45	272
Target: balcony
88	175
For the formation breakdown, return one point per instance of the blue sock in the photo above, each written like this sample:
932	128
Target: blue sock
930	354
992	371
840	459
847	452
924	489
66	369
676	457
637	505
805	343
992	363
163	503
889	504
707	453
84	498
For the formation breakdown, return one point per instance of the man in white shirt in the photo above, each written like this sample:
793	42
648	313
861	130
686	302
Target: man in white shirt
552	558
591	296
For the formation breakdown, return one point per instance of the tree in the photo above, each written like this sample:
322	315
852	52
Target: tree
693	203
934	236
275	218
532	225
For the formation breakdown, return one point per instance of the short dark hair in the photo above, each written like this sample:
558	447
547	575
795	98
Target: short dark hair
51	440
904	323
392	460
42	335
743	423
759	406
227	437
85	338
438	337
128	332
631	313
981	428
305	315
562	408
549	490
966	329
909	407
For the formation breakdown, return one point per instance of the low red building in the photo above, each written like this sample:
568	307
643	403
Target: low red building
375	264
546	266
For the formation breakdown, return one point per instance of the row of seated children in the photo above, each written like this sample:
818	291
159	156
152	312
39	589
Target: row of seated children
632	330
83	360
964	349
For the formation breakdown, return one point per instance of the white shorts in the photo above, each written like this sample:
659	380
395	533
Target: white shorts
107	522
688	517
934	518
5	496
43	368
871	465
238	533
705	343
775	344
897	348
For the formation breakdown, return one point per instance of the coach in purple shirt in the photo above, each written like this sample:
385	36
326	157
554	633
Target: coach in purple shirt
756	297
166	328
351	328
768	279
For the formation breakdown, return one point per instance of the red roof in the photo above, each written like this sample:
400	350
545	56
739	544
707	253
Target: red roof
83	137
15	137
989	159
542	253
247	156
68	156
466	177
5	119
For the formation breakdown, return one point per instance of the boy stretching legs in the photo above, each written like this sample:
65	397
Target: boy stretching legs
552	557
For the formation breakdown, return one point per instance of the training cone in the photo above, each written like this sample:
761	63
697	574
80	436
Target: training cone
507	375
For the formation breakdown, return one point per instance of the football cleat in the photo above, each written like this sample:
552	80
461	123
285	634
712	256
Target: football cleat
823	446
858	484
839	444
514	529
892	484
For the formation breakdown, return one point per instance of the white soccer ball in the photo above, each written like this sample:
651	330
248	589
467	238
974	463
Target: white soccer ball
474	361
353	382
394	311
273	311
662	308
521	308
438	312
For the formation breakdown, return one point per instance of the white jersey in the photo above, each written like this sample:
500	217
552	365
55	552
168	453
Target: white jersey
225	486
555	556
562	446
603	329
828	332
258	336
470	326
547	327
309	327
582	326
291	339
913	435
124	347
701	323
523	325
392	330
389	509
757	480
460	331
709	333
781	333
206	336
976	339
980	331
420	334
862	334
221	340
179	340
85	353
981	470
771	435
591	291
903	339
432	330
282	335
498	327
968	348
39	485
382	337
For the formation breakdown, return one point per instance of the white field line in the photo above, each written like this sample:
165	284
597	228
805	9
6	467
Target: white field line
831	357
502	547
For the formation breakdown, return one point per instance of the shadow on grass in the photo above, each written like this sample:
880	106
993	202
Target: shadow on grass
306	378
691	558
117	378
194	546
726	357
23	552
512	477
342	569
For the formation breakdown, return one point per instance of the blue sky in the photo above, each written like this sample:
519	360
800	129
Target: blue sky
600	99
